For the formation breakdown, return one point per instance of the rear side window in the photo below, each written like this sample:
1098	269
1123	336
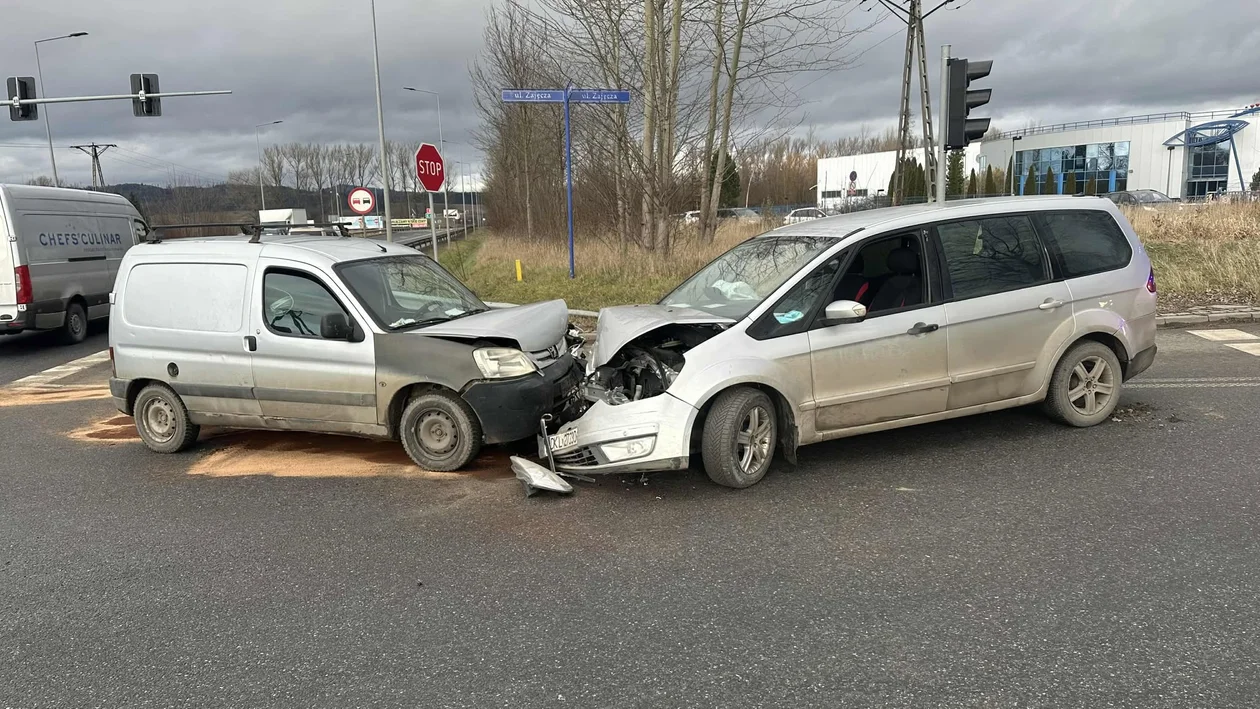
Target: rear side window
1085	242
194	297
991	255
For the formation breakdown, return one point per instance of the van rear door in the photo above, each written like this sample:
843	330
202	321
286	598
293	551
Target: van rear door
9	316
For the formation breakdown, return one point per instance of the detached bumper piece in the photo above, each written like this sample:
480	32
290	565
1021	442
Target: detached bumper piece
537	478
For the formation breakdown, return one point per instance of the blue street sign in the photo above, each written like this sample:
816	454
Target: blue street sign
566	96
599	96
532	95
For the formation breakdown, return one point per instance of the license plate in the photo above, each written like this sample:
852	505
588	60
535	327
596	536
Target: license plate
564	439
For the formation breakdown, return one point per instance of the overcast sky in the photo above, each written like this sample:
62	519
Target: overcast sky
309	63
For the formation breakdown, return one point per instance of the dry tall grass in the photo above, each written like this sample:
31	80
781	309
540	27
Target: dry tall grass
1202	254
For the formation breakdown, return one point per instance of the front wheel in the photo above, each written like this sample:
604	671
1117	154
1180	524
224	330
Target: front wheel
1085	386
739	437
440	432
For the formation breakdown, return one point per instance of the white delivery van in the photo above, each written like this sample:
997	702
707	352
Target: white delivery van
59	254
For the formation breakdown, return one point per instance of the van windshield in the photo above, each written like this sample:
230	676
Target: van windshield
407	292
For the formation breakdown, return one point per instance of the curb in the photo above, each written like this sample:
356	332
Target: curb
1200	319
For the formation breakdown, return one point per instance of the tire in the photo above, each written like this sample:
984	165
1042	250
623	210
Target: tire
162	420
75	329
1080	393
440	432
727	460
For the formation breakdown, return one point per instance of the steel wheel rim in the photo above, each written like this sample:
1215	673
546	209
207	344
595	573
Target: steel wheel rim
76	323
752	442
159	419
437	433
1091	386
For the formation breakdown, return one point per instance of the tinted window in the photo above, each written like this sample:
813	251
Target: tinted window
293	303
993	255
1086	242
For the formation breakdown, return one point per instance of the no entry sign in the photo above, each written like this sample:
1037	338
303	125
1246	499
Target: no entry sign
429	167
361	200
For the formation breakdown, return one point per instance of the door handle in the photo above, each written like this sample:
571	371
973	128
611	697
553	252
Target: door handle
251	343
1050	304
922	328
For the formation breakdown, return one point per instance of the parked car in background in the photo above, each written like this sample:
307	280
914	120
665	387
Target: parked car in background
742	214
59	253
869	321
333	335
1144	199
805	214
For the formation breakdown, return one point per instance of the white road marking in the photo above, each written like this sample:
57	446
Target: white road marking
1225	335
1193	382
1251	348
48	376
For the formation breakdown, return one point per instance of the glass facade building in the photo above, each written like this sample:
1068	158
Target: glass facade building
1209	169
1105	163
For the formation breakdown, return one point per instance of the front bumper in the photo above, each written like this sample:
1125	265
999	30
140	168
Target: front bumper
510	410
666	419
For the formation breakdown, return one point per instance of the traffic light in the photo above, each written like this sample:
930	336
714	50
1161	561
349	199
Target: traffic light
959	129
148	83
22	87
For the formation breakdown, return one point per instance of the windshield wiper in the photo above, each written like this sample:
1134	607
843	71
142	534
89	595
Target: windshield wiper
408	324
474	311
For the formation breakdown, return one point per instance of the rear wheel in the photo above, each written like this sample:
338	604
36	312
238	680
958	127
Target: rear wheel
440	432
1085	387
162	420
739	437
75	328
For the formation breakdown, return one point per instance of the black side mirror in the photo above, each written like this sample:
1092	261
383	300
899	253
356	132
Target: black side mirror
334	326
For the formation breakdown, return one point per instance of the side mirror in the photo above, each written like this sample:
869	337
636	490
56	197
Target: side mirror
334	326
844	311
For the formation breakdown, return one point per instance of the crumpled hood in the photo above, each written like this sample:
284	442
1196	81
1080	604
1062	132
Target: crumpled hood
533	327
621	324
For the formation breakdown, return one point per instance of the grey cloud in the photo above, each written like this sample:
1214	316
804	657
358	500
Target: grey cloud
309	63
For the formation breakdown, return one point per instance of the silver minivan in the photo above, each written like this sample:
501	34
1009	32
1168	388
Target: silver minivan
338	335
59	255
865	322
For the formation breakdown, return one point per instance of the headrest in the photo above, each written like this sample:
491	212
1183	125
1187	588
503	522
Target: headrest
903	261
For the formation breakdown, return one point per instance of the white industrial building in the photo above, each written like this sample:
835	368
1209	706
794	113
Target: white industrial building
1184	155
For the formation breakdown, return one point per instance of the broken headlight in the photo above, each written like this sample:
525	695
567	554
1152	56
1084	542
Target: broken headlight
502	362
628	449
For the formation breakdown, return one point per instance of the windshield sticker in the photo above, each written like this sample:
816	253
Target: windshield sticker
789	316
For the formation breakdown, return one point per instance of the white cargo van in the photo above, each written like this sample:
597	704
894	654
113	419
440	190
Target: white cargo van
59	254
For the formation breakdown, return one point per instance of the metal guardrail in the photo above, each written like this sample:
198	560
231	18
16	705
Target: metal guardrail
1122	121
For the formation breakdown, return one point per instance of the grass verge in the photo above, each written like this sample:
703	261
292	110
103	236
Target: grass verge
1202	255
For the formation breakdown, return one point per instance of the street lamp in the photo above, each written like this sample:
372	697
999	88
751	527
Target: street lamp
262	195
48	126
441	142
380	126
1013	163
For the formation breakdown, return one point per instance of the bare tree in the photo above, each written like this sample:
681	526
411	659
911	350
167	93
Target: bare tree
273	165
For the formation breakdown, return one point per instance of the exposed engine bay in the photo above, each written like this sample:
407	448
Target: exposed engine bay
647	365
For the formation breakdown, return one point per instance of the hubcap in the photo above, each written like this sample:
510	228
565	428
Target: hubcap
752	443
437	433
159	418
1091	386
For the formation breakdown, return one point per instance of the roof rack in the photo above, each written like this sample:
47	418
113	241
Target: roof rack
253	229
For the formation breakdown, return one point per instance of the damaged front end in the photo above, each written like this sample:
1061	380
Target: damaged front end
631	422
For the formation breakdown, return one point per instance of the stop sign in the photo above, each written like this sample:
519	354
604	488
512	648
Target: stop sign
429	167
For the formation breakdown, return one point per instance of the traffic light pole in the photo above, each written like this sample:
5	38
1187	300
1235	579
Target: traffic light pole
141	96
940	145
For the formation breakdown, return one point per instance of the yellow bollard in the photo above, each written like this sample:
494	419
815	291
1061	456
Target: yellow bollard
518	271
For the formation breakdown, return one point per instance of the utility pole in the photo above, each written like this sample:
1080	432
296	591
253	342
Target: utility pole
98	176
911	13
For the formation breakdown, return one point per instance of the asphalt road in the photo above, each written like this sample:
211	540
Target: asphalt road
994	561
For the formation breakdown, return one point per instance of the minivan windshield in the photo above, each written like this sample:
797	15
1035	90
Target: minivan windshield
735	282
406	292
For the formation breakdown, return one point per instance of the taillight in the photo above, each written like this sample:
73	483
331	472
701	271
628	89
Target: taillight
1150	281
24	294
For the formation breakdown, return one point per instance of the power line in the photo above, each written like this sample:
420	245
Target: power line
95	151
